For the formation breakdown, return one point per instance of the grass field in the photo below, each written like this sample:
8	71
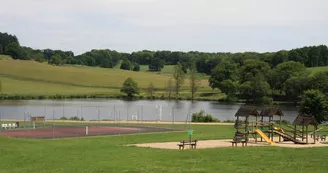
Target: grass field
109	154
314	70
33	78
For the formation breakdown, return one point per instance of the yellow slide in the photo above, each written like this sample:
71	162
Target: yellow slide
265	137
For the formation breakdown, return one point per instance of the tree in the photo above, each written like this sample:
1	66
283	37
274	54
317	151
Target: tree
126	65
315	103
170	88
295	86
136	67
285	71
194	82
130	87
56	60
156	64
178	76
254	90
15	50
224	71
151	90
254	68
319	81
0	86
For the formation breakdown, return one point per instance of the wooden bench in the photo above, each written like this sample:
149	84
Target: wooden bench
321	137
193	144
239	138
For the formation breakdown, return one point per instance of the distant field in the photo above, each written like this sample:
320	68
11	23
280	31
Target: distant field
314	70
29	77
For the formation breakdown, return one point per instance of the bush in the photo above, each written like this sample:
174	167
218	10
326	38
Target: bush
63	118
201	117
76	118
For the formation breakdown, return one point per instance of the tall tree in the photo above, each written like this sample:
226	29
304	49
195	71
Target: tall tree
151	90
170	88
178	76
130	87
315	103
285	71
194	82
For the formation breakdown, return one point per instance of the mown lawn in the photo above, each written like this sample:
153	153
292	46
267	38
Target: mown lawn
315	70
109	154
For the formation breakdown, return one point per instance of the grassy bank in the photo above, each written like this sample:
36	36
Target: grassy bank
109	154
33	80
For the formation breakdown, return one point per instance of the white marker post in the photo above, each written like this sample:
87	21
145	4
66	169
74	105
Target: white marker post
86	130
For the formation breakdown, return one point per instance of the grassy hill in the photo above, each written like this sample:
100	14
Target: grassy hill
314	70
33	78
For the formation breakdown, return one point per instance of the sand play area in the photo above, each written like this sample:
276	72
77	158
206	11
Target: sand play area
227	143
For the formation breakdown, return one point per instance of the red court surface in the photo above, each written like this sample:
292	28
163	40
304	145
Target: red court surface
57	132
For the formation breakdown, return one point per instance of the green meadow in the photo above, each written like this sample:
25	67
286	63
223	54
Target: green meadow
30	78
110	154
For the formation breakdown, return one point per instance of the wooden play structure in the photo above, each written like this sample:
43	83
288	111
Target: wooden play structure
267	124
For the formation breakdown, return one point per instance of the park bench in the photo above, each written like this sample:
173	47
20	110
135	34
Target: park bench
193	144
239	138
321	137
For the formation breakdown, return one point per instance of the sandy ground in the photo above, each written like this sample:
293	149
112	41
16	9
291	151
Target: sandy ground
227	143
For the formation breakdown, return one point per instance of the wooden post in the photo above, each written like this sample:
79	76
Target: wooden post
256	128
280	127
314	134
303	131
271	126
246	128
262	126
295	132
307	136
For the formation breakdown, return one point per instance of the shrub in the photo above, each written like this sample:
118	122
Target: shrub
76	118
63	118
201	117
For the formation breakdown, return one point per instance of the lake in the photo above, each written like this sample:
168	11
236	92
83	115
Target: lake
114	109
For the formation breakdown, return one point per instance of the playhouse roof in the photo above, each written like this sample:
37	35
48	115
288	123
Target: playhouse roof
305	120
246	111
271	111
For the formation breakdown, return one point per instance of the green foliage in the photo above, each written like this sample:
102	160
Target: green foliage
136	67
156	64
194	82
126	65
224	71
315	103
253	69
130	87
178	76
295	86
254	90
285	71
76	118
201	117
63	118
56	60
151	90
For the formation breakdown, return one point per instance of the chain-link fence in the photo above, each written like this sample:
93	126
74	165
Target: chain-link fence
58	121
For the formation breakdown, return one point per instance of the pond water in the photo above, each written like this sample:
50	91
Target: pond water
114	109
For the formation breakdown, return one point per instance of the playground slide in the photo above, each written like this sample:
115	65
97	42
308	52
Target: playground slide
265	137
284	135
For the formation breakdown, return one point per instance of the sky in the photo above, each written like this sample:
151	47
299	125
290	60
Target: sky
176	25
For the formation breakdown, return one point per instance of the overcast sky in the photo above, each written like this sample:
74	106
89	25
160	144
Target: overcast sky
177	25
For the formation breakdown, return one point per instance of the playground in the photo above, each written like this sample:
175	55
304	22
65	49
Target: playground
264	128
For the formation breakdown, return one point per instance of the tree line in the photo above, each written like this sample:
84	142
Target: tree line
311	56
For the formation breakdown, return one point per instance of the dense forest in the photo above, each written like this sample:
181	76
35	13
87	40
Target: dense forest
250	75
